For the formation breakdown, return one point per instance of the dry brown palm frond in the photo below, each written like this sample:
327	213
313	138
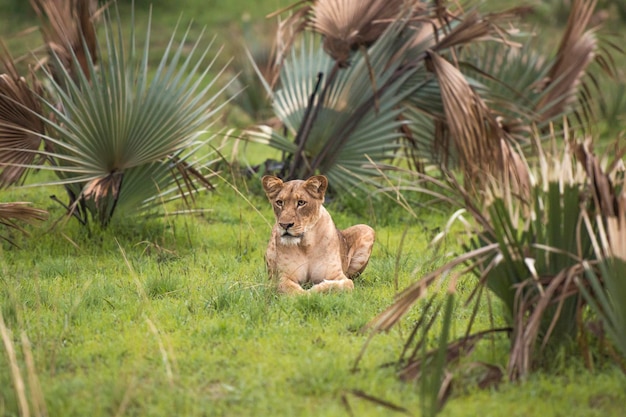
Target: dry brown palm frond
466	28
472	129
474	132
473	27
11	213
68	28
286	34
348	25
575	53
101	189
20	122
408	297
602	189
20	211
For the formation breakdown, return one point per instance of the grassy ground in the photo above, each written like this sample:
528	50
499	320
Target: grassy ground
175	316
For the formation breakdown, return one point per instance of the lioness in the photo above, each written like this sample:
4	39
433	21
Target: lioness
305	246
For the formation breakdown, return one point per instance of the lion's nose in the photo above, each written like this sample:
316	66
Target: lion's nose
286	226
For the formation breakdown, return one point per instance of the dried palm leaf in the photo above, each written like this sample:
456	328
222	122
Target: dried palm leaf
20	122
575	53
473	27
105	193
287	32
68	30
20	211
606	199
348	25
472	129
11	213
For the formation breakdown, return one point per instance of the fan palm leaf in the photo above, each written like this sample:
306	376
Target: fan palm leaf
122	133
20	122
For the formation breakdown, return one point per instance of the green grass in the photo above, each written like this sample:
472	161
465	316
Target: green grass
175	316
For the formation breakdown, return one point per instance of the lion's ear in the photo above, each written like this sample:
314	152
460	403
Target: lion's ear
272	185
317	186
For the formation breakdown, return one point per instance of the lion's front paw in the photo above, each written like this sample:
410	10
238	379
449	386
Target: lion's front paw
333	285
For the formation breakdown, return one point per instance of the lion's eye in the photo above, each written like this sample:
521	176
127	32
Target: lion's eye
301	203
279	203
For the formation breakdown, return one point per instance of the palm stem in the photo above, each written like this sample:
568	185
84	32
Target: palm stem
305	130
303	133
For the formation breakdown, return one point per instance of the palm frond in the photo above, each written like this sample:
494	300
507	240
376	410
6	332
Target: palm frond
13	213
532	86
69	32
348	25
476	135
20	122
575	53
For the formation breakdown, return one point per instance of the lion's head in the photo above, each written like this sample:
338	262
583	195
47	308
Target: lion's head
296	204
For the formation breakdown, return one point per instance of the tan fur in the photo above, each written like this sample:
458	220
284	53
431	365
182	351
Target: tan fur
305	246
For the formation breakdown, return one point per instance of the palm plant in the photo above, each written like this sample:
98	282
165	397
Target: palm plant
528	250
352	91
20	127
469	91
121	135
